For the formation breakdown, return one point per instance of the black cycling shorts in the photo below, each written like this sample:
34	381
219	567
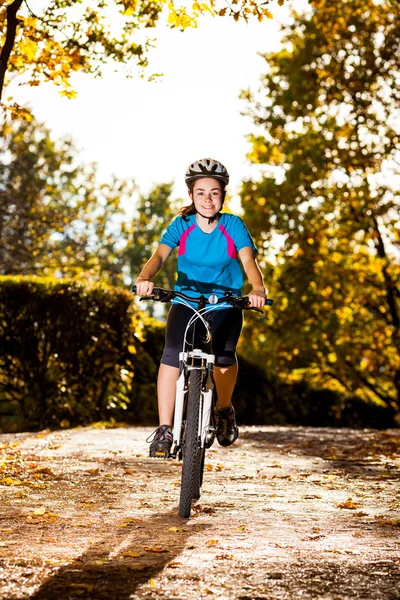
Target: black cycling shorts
226	325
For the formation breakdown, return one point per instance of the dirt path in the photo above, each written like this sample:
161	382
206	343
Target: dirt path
285	513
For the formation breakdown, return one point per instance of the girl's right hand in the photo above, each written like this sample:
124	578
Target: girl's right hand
144	287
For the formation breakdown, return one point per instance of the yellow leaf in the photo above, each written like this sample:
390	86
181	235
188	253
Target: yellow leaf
156	549
152	583
212	542
10	481
39	511
29	48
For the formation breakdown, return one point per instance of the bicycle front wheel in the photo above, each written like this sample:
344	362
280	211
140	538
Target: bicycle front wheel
191	450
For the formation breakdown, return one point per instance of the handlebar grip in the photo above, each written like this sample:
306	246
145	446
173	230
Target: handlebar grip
156	290
269	302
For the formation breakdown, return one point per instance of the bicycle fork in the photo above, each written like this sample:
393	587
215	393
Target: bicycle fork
204	362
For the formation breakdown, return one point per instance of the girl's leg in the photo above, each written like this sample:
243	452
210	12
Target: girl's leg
166	386
168	373
226	328
225	380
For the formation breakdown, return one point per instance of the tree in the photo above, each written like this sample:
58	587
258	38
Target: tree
153	213
55	218
327	118
70	36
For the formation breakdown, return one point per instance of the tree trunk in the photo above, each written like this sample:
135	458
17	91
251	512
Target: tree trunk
12	23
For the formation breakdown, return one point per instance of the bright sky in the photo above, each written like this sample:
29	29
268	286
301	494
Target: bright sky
152	131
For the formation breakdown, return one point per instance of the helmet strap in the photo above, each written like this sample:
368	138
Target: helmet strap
210	219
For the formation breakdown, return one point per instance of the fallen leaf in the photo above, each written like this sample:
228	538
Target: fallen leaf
174	564
85	586
348	504
212	542
39	511
10	481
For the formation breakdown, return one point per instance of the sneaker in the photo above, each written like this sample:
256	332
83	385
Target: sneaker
227	431
161	442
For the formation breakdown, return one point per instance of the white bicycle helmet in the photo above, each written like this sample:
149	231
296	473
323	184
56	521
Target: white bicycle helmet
206	167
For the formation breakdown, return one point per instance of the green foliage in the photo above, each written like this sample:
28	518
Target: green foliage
55	218
152	215
67	349
326	207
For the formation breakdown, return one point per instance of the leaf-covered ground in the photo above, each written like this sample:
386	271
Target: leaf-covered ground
285	513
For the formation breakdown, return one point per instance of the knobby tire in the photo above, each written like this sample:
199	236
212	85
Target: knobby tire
191	452
199	474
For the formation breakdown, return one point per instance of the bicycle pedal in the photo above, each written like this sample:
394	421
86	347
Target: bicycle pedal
161	454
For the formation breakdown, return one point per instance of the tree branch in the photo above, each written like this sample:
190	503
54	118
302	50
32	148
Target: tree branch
388	400
389	284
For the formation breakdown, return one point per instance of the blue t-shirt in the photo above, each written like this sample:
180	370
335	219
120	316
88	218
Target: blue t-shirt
208	263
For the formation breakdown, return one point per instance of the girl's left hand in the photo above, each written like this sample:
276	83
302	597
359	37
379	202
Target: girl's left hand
257	298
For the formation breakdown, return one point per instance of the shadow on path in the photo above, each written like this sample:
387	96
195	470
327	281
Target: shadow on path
113	568
358	453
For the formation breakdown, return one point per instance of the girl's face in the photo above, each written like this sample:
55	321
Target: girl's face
207	196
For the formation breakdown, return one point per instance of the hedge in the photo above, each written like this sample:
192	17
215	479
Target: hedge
67	352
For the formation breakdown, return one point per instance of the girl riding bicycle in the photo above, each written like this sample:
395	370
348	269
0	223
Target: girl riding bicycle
210	244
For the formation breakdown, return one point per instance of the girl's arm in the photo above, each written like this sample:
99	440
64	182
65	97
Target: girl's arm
143	284
253	273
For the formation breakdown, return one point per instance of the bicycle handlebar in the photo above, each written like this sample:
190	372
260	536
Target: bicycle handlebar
241	302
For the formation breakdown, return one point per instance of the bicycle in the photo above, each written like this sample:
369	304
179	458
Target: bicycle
195	403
